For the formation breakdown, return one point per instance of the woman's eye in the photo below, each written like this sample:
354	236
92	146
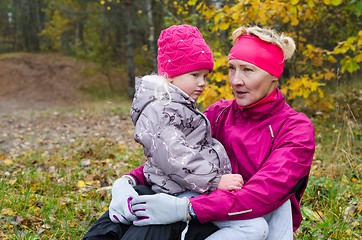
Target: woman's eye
248	69
195	74
231	68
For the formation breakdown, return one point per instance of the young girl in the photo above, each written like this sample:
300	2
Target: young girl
182	157
175	135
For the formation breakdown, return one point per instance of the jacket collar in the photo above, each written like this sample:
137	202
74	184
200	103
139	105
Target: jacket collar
263	109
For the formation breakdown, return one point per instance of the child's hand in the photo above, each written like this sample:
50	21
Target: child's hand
230	182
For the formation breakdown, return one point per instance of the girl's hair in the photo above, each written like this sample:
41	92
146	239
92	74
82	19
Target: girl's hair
162	93
269	35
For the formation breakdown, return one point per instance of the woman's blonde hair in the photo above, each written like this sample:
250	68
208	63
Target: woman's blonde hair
269	35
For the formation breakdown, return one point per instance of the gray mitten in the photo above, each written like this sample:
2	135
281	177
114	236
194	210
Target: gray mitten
120	208
159	209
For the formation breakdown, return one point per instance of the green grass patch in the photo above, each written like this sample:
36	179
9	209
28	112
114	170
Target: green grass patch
332	203
54	196
58	192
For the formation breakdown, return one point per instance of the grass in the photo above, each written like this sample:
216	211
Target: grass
56	194
332	203
59	193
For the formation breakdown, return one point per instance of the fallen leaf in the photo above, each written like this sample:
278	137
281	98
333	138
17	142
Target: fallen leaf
17	220
38	203
81	184
7	212
85	162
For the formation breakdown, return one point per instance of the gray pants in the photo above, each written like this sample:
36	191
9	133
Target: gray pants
277	225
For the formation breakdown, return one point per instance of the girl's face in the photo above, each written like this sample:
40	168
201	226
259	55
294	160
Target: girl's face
249	82
192	83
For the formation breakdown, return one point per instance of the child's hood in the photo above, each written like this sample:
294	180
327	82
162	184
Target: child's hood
148	87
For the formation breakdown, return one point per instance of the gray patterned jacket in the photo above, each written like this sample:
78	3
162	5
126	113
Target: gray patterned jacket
177	141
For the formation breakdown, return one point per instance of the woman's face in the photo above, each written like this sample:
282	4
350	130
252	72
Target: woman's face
249	82
192	83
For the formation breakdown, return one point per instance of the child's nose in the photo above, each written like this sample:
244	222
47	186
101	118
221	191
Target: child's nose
201	82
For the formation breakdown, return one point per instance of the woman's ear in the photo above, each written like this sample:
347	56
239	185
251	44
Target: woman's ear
273	78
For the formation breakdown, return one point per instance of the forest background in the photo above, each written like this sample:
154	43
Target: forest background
118	38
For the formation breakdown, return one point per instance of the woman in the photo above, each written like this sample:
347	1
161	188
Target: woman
268	143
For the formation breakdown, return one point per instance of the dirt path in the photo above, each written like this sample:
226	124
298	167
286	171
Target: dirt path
40	81
52	131
42	108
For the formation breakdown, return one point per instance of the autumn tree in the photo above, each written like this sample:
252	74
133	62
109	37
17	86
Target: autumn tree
21	22
326	33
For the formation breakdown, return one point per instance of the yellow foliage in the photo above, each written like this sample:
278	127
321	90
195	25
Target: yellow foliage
310	58
349	64
294	21
198	7
220	60
311	3
336	2
206	99
218	16
218	77
224	25
358	58
191	2
226	9
303	86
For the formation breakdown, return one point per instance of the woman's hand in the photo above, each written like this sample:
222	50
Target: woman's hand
159	209
120	208
230	182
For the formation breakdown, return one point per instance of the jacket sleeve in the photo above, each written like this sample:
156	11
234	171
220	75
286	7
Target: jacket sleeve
160	132
287	166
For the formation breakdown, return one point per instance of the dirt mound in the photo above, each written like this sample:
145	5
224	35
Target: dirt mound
38	81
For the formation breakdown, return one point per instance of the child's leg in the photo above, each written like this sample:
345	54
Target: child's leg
280	223
254	229
188	194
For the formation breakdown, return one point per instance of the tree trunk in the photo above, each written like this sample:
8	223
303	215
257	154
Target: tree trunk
38	23
25	27
17	25
130	63
152	35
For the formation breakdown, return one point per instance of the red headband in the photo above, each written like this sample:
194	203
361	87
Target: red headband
262	54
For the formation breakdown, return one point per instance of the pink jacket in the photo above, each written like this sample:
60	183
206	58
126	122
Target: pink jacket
272	147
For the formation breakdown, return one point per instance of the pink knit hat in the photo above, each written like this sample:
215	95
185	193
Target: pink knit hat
182	49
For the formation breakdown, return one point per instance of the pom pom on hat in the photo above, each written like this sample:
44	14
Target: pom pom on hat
182	49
